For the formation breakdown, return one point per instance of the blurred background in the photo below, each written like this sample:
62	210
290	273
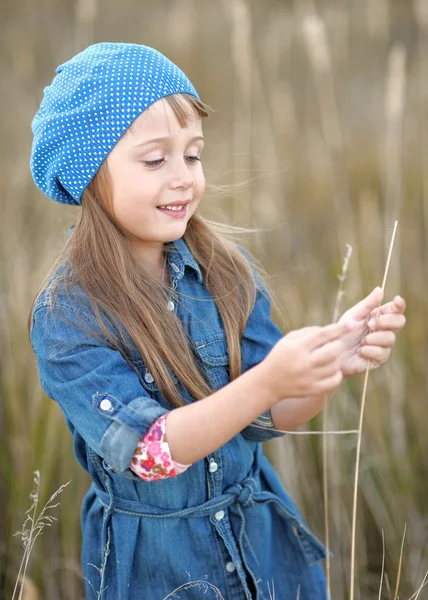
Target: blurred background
321	128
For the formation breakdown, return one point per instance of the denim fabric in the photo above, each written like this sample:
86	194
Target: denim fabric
227	520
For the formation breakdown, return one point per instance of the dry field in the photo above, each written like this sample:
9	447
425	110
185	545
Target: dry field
321	127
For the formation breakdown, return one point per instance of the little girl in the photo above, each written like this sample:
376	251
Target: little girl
153	334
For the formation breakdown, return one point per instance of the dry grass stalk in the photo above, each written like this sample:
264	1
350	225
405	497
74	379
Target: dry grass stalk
383	565
388	587
395	97
342	279
421	15
101	570
321	432
325	449
400	562
394	110
378	18
423	584
360	428
32	528
239	17
420	8
30	591
201	585
86	11
318	50
319	54
271	592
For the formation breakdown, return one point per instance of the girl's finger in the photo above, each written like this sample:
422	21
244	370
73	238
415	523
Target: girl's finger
398	305
374	353
363	309
329	333
327	353
385	339
390	321
328	370
305	331
329	384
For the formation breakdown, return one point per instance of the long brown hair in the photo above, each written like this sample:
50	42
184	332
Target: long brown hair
97	258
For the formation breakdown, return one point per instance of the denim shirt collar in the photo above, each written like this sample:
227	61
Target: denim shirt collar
183	256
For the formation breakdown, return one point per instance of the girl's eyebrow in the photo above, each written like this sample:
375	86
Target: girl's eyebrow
163	140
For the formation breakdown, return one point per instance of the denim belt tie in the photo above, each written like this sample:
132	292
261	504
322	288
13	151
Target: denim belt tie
243	495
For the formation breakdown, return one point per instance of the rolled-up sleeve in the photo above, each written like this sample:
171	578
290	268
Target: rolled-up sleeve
96	388
260	335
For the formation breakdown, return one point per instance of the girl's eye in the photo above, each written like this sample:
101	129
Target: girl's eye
153	163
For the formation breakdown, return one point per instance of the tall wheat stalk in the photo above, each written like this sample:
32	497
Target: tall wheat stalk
360	429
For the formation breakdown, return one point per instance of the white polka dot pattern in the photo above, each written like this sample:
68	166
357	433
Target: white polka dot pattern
93	99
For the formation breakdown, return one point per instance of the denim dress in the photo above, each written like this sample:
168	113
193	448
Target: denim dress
226	527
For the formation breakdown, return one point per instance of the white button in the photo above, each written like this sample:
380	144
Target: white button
174	266
213	467
170	305
149	377
219	515
230	567
106	405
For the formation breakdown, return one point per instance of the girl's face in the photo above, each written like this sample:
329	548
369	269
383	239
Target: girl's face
156	162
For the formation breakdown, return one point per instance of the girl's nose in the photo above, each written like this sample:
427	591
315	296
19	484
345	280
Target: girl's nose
181	177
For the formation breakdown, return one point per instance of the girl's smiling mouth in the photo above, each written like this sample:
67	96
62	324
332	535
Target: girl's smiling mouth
176	210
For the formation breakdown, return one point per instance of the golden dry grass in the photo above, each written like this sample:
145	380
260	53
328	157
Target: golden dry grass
336	147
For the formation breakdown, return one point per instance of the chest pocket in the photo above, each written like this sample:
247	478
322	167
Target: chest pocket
149	384
212	353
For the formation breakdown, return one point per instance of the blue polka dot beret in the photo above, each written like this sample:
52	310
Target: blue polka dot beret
93	99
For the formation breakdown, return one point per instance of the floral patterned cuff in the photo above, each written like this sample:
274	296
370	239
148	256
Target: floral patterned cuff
152	457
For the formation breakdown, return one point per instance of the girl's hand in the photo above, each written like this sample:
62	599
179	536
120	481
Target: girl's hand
374	334
306	362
